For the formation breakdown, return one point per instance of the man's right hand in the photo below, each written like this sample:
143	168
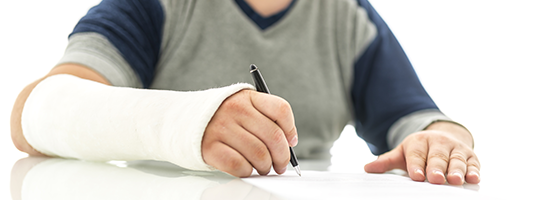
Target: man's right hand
250	130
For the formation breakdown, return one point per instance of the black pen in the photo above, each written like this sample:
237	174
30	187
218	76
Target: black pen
262	87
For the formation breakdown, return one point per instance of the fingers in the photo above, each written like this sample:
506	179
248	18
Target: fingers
457	167
473	175
261	142
463	166
249	146
416	156
271	136
272	122
278	110
255	134
431	155
438	160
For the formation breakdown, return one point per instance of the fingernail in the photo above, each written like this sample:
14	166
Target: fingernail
438	173
294	141
458	174
474	173
419	171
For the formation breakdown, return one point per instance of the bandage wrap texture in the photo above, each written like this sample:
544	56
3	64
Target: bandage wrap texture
71	117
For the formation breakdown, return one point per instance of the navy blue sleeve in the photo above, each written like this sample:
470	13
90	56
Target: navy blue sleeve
134	27
385	86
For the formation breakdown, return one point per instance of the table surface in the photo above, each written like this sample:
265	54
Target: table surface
59	179
485	63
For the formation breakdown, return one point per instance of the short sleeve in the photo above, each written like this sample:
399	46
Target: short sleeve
132	27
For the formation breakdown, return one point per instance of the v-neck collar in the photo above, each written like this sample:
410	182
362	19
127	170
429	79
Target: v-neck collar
262	22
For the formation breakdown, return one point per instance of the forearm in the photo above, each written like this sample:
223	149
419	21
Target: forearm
15	122
74	118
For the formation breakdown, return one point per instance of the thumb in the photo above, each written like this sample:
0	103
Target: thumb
393	159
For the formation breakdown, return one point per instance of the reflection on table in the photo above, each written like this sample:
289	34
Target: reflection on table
55	178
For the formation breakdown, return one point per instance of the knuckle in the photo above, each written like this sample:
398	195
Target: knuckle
458	156
233	164
277	136
261	154
418	154
474	163
232	105
237	167
416	138
231	100
422	135
439	156
284	108
440	140
244	92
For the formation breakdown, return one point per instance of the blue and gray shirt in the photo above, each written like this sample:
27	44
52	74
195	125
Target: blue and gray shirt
335	61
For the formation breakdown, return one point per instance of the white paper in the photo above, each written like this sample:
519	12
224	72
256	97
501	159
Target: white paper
330	185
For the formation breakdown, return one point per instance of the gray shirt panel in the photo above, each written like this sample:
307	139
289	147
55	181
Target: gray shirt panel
311	50
95	51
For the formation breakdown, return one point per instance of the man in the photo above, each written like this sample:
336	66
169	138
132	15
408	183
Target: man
335	62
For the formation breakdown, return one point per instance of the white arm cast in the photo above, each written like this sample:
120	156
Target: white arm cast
71	117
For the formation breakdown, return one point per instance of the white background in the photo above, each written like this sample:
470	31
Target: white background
485	63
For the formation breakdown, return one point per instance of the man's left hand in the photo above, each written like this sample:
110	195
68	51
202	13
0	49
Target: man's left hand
441	153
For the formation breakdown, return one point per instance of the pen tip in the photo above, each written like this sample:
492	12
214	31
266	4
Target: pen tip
253	67
298	171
